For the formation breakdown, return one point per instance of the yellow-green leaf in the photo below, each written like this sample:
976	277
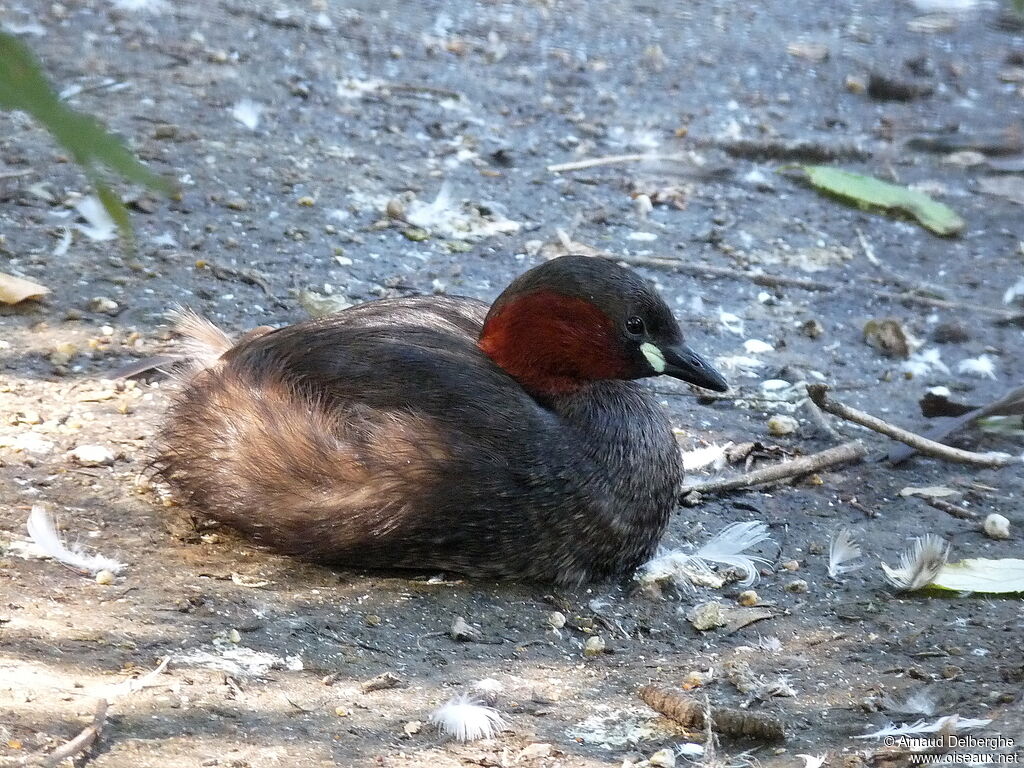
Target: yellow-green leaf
115	208
982	575
869	192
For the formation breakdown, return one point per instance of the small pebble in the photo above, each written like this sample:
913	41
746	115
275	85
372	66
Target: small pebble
105	577
812	329
692	499
747	598
373	620
797	586
237	204
594	646
791	565
696	679
412	727
341	712
165	131
93	455
707	616
997	527
306	201
556	619
643	206
488	689
855	84
104	305
415	234
234	636
462	632
395	209
951	333
663	758
780	425
27	417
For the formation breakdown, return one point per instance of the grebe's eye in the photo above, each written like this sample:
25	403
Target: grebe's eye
635	326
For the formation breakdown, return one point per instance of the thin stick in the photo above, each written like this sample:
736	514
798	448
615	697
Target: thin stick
147	680
708	270
15	174
1003	315
77	745
595	162
961	513
1010	404
798	150
840	454
820	421
430	90
894	276
781	281
819	394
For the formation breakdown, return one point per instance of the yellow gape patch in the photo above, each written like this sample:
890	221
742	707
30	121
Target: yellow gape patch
654	356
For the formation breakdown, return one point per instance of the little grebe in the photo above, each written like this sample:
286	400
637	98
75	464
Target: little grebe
433	433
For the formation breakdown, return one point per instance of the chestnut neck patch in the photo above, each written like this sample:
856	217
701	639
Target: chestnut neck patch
553	344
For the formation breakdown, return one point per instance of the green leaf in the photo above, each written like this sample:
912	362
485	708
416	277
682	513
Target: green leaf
116	209
869	192
24	86
982	575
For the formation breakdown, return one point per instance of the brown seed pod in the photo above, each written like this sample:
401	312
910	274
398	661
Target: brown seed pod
689	713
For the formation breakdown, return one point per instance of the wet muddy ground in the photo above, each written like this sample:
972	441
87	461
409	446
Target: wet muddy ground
464	106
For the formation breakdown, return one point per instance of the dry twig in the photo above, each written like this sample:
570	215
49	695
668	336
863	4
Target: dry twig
1010	404
792	150
916	287
77	745
595	162
961	513
782	281
709	270
1001	315
840	454
820	421
819	394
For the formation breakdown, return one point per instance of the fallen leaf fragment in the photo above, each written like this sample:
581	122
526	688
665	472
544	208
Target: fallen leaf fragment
980	574
810	51
928	491
870	192
14	290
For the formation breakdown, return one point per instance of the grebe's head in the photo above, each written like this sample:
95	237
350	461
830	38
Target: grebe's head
577	319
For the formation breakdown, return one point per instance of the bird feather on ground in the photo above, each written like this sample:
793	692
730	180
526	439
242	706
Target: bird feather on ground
44	533
920	564
728	548
463	718
842	550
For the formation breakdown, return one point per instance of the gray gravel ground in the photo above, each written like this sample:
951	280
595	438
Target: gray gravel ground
365	103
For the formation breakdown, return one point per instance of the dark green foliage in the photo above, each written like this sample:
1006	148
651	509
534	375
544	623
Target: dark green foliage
24	86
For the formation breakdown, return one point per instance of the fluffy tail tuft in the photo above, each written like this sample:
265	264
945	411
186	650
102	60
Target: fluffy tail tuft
203	342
